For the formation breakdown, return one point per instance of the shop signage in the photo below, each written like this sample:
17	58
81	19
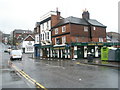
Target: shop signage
59	48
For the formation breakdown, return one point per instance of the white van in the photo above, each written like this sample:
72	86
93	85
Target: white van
16	54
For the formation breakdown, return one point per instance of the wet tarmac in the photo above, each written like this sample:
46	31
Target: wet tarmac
68	74
57	73
9	78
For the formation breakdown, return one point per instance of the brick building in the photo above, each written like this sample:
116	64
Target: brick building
72	35
18	35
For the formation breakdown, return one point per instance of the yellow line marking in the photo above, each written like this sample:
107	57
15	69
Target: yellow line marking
26	76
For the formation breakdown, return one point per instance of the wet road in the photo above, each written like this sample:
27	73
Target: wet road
68	74
8	78
63	73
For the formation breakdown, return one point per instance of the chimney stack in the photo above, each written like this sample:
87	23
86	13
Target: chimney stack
58	13
85	15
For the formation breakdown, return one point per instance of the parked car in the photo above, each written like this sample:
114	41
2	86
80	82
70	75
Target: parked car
8	50
16	54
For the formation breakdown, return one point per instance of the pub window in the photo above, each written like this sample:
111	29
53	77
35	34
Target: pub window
56	31
63	40
57	41
94	28
86	29
100	39
43	36
37	39
63	29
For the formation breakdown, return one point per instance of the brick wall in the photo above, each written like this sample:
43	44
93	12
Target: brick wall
77	33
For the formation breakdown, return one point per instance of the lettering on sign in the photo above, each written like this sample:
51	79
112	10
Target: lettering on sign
91	44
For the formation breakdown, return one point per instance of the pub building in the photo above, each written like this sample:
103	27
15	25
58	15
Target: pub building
71	37
74	37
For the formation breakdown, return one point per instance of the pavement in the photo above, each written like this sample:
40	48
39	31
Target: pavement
94	61
97	61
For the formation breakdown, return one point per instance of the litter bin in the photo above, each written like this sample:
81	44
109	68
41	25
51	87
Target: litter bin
104	53
90	57
111	54
117	55
114	54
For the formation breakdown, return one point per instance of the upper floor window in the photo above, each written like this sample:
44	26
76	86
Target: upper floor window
100	39
41	36
63	40
63	29
37	39
85	29
56	31
47	35
94	28
43	26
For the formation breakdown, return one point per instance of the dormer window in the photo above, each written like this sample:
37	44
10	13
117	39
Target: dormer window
56	31
63	29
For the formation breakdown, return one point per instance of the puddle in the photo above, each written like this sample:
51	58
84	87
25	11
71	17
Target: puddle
15	76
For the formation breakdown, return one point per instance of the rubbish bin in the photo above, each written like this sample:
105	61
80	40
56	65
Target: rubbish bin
90	57
111	54
114	54
117	55
104	53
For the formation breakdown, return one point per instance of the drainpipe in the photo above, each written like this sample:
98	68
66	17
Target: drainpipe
90	33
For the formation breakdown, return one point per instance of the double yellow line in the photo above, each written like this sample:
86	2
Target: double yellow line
38	85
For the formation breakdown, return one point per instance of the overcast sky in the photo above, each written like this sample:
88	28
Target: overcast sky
23	14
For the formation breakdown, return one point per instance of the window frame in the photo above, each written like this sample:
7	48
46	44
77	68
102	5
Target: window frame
56	30
63	39
85	29
94	28
63	28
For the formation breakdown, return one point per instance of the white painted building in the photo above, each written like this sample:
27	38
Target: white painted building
45	33
28	44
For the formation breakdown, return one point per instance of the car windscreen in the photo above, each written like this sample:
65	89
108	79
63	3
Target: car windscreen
16	53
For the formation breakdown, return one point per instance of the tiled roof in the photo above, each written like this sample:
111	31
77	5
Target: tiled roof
81	21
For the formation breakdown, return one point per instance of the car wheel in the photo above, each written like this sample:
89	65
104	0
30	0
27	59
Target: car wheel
11	59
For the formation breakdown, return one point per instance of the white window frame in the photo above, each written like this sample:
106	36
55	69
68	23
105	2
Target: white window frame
37	39
56	31
100	39
63	39
63	28
85	29
94	28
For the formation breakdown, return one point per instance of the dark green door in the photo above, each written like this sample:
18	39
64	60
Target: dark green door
80	52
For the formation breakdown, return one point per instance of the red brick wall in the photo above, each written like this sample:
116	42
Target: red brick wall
55	20
77	34
60	32
77	31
